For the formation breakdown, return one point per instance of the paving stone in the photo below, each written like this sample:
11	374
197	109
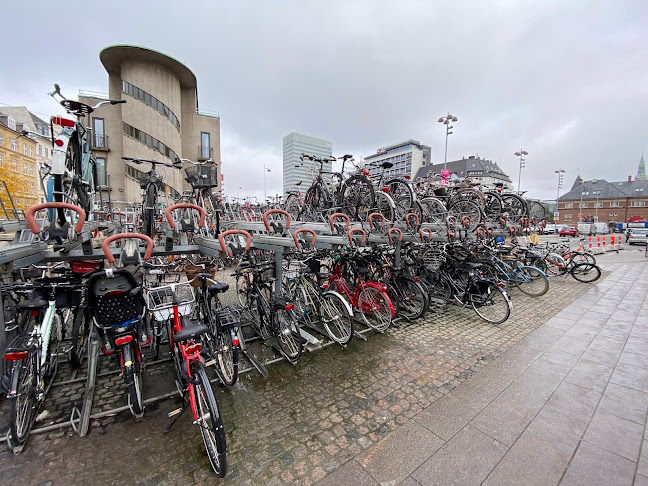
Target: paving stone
562	431
574	402
465	460
615	434
624	402
643	459
447	416
630	376
589	374
403	451
350	473
531	461
593	465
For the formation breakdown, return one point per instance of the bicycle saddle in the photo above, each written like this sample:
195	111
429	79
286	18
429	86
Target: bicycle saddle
76	107
297	183
218	287
471	265
386	165
191	329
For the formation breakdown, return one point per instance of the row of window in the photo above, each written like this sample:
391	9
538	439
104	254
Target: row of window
152	142
612	204
27	168
151	101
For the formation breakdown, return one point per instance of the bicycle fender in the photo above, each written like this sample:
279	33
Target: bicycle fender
347	306
382	288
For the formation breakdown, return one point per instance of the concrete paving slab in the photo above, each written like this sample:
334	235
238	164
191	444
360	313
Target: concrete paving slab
574	401
562	431
614	434
624	402
593	465
349	473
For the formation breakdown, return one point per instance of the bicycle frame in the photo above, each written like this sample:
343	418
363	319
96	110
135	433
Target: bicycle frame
352	295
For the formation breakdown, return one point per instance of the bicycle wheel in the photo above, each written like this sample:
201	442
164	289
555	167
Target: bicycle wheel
133	379
23	405
413	300
357	198
64	186
494	205
293	206
375	309
148	212
80	332
584	258
335	317
209	420
536	210
490	302
287	334
465	207
586	272
470	194
385	206
439	289
554	263
434	211
531	281
403	197
227	358
514	207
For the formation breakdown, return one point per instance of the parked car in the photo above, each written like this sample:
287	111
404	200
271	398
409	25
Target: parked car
638	236
552	228
568	231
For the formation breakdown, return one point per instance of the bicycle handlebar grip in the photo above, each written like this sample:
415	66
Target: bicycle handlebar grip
463	221
407	218
356	230
221	238
389	234
31	221
120	236
275	211
383	220
170	209
339	215
303	230
423	230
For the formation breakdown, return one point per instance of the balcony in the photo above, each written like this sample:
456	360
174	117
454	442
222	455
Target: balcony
205	153
100	142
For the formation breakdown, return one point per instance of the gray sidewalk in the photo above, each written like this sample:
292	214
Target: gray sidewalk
566	405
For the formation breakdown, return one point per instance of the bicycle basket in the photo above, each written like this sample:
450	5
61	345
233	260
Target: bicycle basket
432	257
191	270
160	300
202	176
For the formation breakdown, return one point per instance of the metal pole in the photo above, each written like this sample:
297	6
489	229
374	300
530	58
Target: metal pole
520	176
445	159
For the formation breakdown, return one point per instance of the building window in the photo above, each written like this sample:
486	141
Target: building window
638	204
31	151
583	205
1	160
31	169
141	136
101	171
598	204
14	144
151	101
205	147
11	123
99	133
569	205
0	138
46	152
614	204
14	165
25	168
40	149
24	149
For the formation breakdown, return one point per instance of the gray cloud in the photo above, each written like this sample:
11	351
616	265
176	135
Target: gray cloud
564	80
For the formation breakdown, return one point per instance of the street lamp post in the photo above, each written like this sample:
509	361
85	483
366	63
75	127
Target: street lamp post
446	120
520	154
265	192
560	173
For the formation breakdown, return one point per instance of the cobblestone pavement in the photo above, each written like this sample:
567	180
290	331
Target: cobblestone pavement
297	426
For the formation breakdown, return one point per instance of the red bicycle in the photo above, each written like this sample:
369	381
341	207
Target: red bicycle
173	304
368	297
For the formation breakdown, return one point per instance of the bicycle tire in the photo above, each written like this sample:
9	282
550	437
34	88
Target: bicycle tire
148	212
335	316
470	194
586	257
494	205
385	206
227	358
133	379
536	210
293	206
375	308
23	405
209	419
63	183
465	207
586	272
412	297
357	197
492	304
403	195
434	211
555	263
80	332
287	334
538	284
514	207
439	289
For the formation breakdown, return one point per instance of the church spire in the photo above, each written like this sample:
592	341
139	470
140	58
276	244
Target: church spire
641	171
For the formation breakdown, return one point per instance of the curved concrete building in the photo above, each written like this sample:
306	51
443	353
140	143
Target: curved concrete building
159	121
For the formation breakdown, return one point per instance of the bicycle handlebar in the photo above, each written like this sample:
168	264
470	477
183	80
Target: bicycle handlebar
154	162
170	209
209	160
31	221
120	236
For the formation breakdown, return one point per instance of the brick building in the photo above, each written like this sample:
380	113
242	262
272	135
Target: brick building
18	169
606	202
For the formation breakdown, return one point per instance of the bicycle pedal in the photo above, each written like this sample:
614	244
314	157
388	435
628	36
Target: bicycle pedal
210	362
175	412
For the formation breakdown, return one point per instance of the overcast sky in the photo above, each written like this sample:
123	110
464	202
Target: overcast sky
565	80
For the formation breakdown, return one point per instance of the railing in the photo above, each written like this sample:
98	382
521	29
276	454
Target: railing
205	153
215	114
93	94
99	142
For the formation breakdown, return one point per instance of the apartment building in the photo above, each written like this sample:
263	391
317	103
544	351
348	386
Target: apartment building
477	169
160	121
407	157
18	168
295	144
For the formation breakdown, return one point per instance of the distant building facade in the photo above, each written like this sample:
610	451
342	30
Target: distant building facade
295	144
407	157
486	172
18	168
160	121
603	201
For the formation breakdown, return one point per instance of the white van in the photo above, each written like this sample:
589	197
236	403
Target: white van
593	228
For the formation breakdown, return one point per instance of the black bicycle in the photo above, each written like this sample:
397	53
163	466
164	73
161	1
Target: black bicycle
151	186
